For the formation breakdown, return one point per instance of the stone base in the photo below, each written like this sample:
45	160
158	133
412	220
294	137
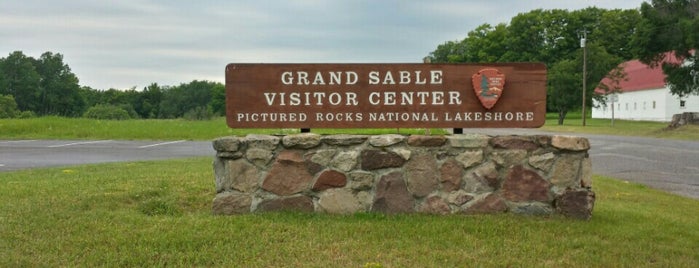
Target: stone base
682	119
472	173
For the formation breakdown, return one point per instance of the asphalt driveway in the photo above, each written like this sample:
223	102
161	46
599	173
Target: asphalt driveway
23	154
668	165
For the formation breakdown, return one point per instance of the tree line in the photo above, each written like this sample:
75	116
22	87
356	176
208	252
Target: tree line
47	86
612	37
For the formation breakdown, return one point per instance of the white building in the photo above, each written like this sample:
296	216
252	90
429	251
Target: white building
643	96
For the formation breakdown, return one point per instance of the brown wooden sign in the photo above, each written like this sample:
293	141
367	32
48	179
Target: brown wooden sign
385	95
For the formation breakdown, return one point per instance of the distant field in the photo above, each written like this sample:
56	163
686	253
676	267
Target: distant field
177	129
158	213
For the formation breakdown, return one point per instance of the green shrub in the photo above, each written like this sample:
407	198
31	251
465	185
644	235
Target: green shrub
8	106
198	113
130	110
107	112
26	114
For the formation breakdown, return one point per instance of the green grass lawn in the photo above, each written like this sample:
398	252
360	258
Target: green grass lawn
573	124
157	213
52	127
178	129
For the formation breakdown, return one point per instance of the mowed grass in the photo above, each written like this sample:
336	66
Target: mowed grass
573	124
178	129
158	214
52	127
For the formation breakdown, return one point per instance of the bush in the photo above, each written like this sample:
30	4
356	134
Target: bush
198	113
130	110
26	114
107	112
8	106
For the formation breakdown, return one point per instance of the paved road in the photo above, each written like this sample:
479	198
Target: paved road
663	164
668	165
23	154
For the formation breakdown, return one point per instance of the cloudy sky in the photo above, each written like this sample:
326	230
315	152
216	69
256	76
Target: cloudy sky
132	43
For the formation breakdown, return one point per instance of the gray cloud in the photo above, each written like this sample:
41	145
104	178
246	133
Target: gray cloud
121	44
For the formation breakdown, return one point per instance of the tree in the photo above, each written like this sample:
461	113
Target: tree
180	99
486	43
611	86
450	51
671	25
546	36
565	79
615	31
564	85
59	89
483	44
218	99
21	80
552	37
148	101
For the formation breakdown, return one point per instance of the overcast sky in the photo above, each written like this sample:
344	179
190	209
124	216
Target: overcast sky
127	43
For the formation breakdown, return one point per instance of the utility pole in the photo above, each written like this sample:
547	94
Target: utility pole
583	40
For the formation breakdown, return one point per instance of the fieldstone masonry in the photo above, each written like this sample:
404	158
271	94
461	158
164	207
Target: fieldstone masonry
472	173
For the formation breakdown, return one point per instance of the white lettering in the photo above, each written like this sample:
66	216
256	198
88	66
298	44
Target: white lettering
404	77
389	98
339	117
437	98
335	98
351	98
319	79
407	98
351	78
294	99
302	78
270	98
436	77
422	95
373	77
287	78
335	78
454	97
319	96
374	98
417	79
271	117
388	79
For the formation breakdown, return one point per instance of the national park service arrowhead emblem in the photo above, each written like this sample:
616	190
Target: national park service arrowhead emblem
488	84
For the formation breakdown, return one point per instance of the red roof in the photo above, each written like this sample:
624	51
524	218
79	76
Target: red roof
640	76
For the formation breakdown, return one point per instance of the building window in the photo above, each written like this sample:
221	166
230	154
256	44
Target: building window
627	106
618	106
653	105
634	106
682	104
644	105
